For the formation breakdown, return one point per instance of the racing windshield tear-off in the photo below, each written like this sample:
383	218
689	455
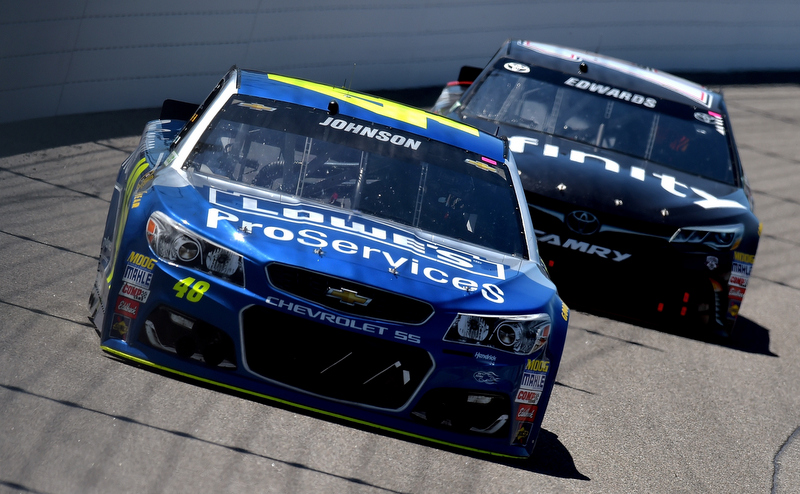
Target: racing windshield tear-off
367	168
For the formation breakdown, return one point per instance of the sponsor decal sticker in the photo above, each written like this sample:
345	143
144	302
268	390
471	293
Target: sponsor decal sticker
533	380
142	261
523	433
137	198
487	357
741	269
527	396
401	253
538	365
139	270
127	307
736	293
119	326
521	145
526	413
738	281
134	292
484	377
137	276
733	309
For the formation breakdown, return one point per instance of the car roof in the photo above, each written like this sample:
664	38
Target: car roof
372	109
613	72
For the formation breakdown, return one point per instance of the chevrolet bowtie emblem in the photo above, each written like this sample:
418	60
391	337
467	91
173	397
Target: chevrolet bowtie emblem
348	297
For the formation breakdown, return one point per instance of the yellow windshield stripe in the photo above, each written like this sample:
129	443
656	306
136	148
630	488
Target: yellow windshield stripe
386	108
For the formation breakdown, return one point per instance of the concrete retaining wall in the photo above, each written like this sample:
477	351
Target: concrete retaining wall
73	56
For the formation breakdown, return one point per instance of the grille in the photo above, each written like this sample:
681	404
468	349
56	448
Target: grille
333	362
382	305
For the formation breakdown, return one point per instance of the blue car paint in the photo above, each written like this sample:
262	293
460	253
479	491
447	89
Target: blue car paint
146	184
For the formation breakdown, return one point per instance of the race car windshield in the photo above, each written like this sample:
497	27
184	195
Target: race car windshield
679	136
357	165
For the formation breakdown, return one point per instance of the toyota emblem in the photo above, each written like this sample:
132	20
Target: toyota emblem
582	222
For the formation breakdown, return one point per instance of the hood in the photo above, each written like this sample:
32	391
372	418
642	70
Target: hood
561	170
265	228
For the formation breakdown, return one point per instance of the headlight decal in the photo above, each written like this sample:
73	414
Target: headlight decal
521	335
170	241
725	237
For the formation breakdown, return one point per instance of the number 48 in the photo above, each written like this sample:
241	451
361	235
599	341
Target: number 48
193	291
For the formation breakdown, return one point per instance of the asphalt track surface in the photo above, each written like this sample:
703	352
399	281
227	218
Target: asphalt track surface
635	409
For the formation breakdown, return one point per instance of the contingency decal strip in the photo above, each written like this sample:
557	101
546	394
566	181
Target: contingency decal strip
303	407
140	167
380	106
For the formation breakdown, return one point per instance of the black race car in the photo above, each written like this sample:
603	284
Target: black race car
638	197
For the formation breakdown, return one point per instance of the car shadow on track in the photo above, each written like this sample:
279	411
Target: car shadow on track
747	335
550	457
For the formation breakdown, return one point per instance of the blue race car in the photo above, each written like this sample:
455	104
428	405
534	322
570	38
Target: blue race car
338	252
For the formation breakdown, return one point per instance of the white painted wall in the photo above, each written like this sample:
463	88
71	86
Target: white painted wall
72	56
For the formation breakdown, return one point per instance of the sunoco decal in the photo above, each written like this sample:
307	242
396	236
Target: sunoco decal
119	326
346	236
523	433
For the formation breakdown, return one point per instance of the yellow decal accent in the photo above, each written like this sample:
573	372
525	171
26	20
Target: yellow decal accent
140	167
195	290
381	106
482	166
142	260
538	365
564	311
297	405
760	227
742	257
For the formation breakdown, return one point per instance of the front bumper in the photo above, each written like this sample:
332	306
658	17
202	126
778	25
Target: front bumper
293	352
